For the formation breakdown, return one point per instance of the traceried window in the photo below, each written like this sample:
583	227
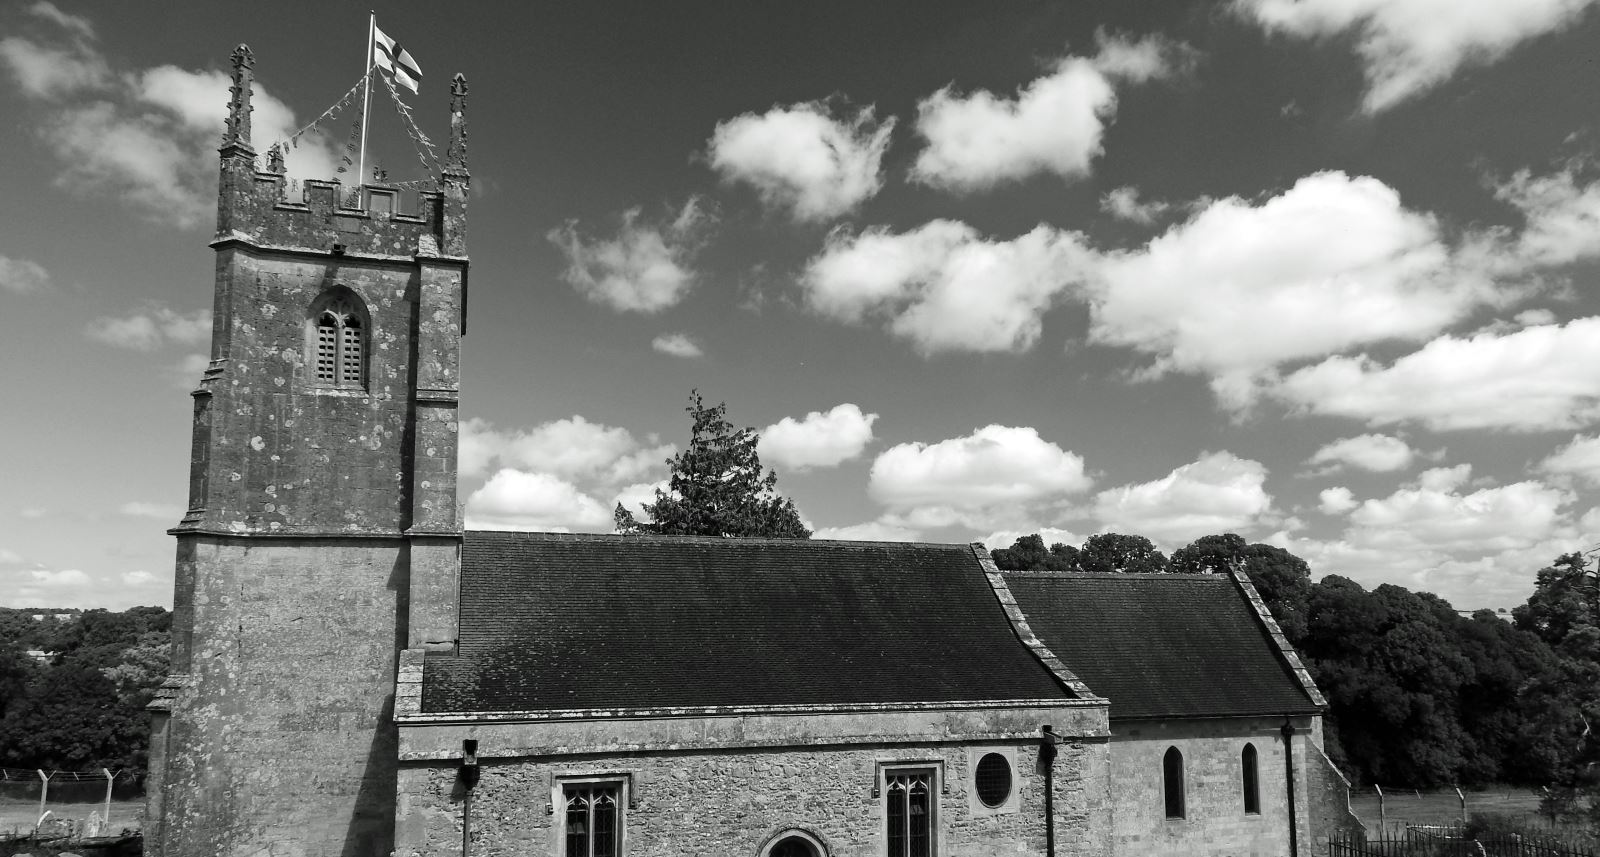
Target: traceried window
340	343
1250	782
1172	782
909	811
593	819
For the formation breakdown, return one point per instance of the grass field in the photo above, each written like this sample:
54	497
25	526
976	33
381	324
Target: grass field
1404	807
19	814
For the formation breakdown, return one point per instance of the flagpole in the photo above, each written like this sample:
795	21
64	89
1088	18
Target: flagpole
366	98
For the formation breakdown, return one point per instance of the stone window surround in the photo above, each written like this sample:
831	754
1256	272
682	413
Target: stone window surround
1013	801
559	782
939	786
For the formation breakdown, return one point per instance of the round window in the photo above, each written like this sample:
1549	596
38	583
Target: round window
993	779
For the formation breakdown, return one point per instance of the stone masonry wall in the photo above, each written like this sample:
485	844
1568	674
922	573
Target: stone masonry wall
733	802
1215	823
281	740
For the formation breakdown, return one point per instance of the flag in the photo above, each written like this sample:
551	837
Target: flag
397	61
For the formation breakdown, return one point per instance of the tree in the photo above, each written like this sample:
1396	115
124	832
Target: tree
1115	552
1028	553
1282	579
717	487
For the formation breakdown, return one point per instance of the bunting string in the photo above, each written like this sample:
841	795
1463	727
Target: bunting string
431	160
344	101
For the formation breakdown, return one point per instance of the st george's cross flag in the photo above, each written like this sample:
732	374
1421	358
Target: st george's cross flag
397	61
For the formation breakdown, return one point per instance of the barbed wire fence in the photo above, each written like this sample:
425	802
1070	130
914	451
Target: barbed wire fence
69	803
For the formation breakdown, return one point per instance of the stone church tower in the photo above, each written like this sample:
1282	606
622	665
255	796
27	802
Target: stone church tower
322	535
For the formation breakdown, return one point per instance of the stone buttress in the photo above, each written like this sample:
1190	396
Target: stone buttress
322	535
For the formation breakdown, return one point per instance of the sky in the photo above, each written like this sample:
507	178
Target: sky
1322	273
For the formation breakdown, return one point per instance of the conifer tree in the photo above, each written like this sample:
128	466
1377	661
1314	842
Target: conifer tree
717	487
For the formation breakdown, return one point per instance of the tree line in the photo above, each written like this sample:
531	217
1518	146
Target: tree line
78	703
1418	694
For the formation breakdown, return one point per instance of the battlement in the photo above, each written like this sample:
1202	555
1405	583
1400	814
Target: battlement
253	205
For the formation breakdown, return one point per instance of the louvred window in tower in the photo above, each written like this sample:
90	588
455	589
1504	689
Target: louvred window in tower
339	342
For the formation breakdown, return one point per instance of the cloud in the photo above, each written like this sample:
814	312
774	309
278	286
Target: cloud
634	497
145	136
1539	378
1240	288
817	160
677	345
1377	453
142	509
943	286
1219	492
1411	46
1053	125
572	448
10	557
150	330
21	277
1123	203
1433	515
1562	217
1336	500
870	531
646	268
1580	458
1050	535
818	439
996	474
517	500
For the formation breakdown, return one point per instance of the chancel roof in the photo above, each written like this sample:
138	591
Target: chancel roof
1161	645
557	622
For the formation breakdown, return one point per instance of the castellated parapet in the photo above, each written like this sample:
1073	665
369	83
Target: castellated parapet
322	534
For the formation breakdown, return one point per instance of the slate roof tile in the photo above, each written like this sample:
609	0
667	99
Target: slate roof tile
1160	645
558	621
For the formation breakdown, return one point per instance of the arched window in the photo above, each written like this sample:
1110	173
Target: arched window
794	843
338	340
1252	785
1172	782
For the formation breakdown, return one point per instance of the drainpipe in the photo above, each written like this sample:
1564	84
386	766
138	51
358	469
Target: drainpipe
469	778
1047	755
1288	770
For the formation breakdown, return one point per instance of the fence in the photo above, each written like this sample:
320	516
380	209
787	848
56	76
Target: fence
1452	841
89	803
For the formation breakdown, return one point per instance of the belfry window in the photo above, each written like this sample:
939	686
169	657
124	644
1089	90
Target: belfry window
1172	782
339	343
909	811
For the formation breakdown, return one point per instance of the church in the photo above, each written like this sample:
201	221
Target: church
354	674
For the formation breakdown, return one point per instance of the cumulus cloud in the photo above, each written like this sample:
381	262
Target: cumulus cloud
1333	262
1054	124
646	267
818	439
152	329
1219	492
943	286
1377	453
996	474
515	500
1050	535
1410	46
550	476
815	159
20	276
1580	458
1124	203
145	136
1538	378
871	531
677	345
572	448
1336	500
1562	217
